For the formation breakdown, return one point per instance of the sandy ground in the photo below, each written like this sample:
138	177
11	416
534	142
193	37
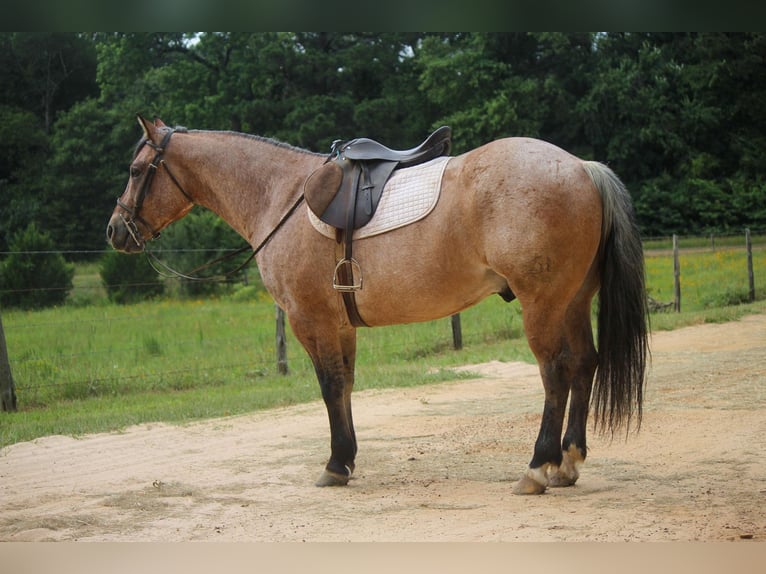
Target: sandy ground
436	463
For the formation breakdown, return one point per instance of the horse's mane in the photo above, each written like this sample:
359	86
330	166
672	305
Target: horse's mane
271	141
264	139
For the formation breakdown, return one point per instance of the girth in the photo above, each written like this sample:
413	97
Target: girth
346	191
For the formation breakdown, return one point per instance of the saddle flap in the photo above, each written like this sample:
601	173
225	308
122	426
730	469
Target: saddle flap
322	186
345	193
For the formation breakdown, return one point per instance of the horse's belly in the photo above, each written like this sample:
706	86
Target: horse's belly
421	294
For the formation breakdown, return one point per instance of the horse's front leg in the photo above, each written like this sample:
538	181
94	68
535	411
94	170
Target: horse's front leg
334	365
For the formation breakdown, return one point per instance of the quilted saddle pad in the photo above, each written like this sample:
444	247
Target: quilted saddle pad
409	195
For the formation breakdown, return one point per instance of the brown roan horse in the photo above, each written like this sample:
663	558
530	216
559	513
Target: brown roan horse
516	217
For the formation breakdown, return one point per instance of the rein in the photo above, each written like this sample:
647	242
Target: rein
152	257
135	233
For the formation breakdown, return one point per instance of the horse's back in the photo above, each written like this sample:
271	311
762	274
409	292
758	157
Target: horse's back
515	212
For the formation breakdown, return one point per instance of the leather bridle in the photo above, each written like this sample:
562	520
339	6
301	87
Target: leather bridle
134	215
134	212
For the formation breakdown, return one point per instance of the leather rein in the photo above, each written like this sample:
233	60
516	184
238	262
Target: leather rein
134	215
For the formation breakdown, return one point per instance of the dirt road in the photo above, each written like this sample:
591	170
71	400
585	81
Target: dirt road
435	463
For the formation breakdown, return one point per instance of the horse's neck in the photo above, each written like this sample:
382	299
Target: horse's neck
250	182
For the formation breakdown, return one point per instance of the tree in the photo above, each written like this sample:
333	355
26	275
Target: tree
489	85
41	75
22	151
677	115
129	279
46	72
34	275
674	115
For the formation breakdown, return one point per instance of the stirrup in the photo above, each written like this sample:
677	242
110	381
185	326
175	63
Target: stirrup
352	265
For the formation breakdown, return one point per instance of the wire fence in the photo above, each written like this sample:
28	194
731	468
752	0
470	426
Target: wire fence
76	351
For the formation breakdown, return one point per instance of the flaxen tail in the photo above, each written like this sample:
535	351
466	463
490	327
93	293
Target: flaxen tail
623	319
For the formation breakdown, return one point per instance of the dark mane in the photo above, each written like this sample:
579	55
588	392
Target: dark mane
270	141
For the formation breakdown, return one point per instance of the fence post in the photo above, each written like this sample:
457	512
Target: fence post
750	276
281	342
457	332
7	388
676	276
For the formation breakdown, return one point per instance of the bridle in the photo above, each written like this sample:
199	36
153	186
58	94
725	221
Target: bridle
134	215
134	212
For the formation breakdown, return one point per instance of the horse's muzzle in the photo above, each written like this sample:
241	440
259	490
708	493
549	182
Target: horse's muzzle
120	236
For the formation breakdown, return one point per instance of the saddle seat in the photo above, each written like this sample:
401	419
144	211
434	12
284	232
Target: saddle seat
365	149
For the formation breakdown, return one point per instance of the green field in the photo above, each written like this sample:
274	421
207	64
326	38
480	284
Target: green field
90	366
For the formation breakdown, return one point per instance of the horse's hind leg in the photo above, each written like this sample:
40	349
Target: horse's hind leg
563	345
583	367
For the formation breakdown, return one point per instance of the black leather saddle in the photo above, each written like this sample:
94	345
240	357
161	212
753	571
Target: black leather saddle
346	191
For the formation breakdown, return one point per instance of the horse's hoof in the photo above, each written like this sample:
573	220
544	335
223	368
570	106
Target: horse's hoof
565	475
330	478
559	479
568	473
533	481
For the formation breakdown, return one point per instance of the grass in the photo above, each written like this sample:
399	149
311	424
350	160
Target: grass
104	367
709	279
90	366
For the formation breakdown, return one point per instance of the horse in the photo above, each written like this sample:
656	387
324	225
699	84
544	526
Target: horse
517	217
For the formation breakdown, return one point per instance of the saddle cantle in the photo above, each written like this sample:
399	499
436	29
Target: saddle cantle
346	191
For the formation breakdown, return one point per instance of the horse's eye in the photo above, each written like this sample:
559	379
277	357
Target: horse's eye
134	171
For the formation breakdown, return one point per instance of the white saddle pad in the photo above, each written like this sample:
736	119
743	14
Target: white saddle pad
410	194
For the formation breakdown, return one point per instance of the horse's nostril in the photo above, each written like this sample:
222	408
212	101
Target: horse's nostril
109	232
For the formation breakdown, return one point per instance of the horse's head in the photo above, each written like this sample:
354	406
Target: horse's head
153	198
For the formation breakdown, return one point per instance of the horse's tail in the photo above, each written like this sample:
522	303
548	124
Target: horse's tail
623	318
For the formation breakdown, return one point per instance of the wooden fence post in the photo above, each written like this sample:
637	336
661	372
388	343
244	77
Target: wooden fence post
457	332
281	342
750	276
676	276
7	388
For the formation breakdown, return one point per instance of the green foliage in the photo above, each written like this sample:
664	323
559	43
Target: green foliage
33	276
129	278
22	152
677	115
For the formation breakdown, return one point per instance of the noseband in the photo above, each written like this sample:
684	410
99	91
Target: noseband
133	213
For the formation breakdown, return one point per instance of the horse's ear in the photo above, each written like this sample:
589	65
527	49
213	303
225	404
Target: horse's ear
146	126
158	123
